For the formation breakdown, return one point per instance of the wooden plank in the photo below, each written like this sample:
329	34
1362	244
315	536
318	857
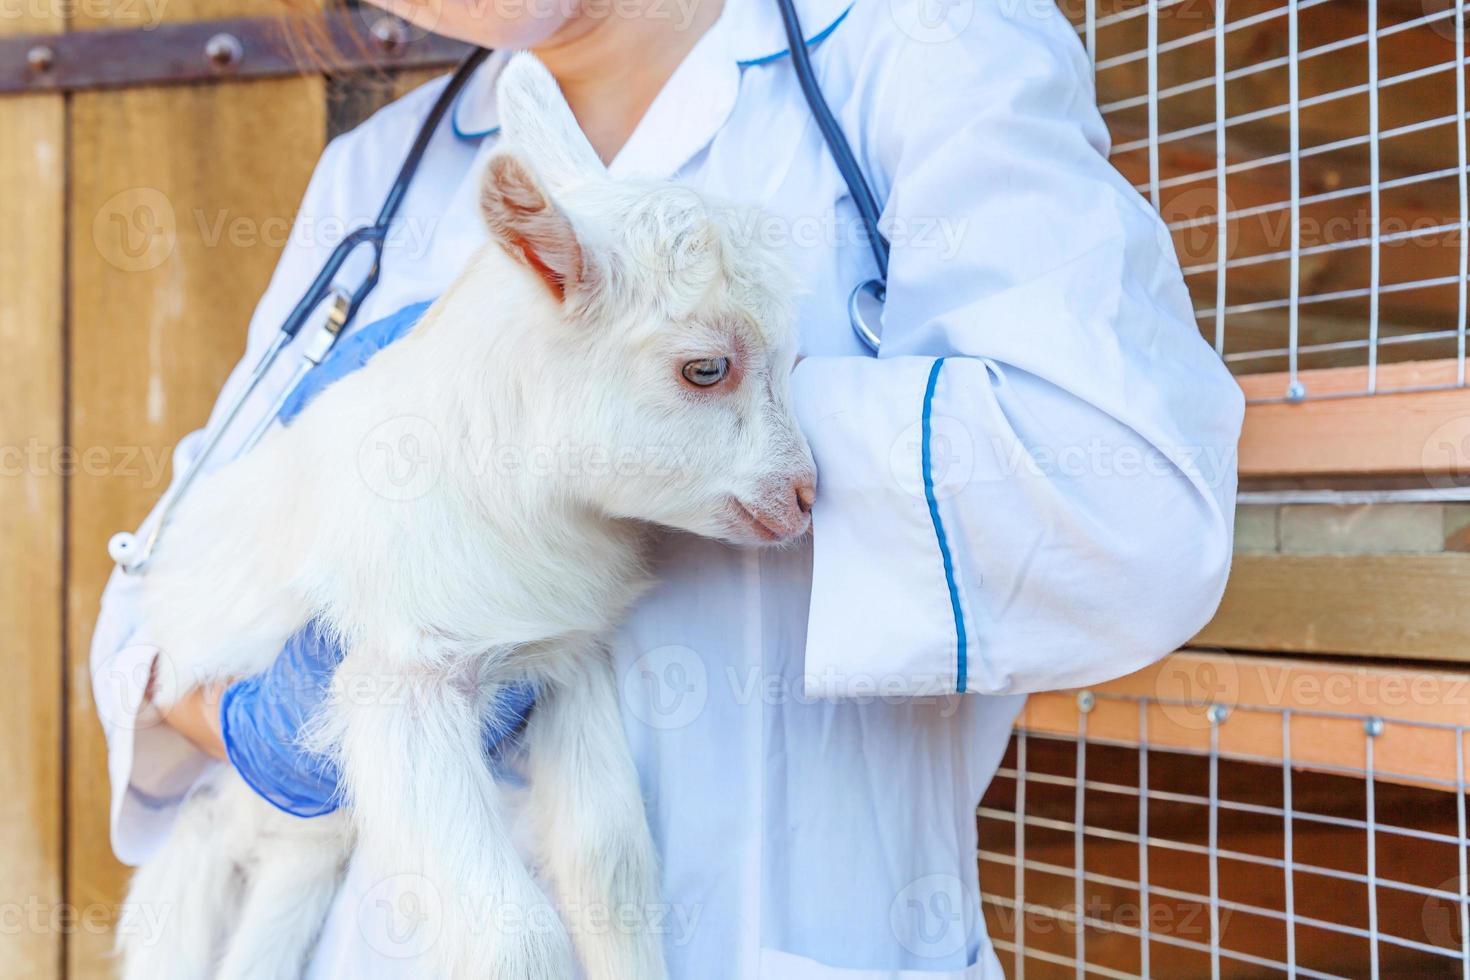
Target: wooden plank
1409	606
180	198
1415	432
32	387
175	54
1338	382
32	175
1331	699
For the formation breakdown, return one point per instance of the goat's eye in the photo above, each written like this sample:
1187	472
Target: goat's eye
707	371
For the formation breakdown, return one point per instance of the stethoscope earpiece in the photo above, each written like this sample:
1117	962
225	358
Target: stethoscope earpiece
120	547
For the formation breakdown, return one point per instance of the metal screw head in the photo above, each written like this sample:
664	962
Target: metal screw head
389	33
1296	392
41	58
1217	713
1086	701
224	51
1373	726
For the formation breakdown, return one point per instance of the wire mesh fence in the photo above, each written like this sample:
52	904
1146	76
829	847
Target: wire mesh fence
1309	158
1337	851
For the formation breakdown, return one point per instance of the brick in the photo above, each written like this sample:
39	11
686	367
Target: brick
1371	529
1255	528
1457	527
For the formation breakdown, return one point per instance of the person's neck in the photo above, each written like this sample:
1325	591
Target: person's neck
612	60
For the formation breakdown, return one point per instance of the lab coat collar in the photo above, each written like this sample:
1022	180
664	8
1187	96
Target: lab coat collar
698	97
760	36
475	114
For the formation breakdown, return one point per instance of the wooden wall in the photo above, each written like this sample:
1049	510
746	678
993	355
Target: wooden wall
32	379
121	311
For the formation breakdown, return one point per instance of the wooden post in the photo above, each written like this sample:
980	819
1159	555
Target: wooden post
32	178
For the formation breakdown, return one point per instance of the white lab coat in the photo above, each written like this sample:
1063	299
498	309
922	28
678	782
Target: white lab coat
810	772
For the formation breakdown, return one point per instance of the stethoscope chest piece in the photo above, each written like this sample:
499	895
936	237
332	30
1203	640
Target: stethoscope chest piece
865	311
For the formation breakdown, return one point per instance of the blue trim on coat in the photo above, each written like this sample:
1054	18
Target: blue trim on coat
461	134
811	42
961	665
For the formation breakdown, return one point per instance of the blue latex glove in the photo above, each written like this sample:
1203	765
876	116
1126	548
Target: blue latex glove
262	717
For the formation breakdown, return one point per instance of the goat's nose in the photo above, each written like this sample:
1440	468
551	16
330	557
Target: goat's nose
806	495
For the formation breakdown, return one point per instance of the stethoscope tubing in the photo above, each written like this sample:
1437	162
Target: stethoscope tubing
865	305
852	174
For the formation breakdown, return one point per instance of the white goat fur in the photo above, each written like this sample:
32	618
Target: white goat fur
567	329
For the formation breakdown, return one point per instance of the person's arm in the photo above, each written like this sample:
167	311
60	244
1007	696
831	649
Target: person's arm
1032	487
196	717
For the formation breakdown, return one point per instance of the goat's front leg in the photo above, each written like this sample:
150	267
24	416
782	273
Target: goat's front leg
589	816
426	809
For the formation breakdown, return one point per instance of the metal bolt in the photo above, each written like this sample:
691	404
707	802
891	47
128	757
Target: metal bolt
1296	392
41	58
1217	713
224	51
1086	701
389	33
1373	726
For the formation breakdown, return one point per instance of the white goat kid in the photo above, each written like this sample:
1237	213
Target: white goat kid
627	327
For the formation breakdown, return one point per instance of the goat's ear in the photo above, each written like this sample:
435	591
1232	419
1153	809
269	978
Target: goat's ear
527	223
540	125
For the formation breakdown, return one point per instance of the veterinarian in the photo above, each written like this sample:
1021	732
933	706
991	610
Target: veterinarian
1031	488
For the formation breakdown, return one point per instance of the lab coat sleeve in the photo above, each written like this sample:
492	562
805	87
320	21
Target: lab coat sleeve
151	766
1033	486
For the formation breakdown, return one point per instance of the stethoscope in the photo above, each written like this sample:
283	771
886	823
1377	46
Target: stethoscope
865	305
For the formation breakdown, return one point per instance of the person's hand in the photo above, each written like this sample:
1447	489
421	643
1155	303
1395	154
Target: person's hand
262	720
